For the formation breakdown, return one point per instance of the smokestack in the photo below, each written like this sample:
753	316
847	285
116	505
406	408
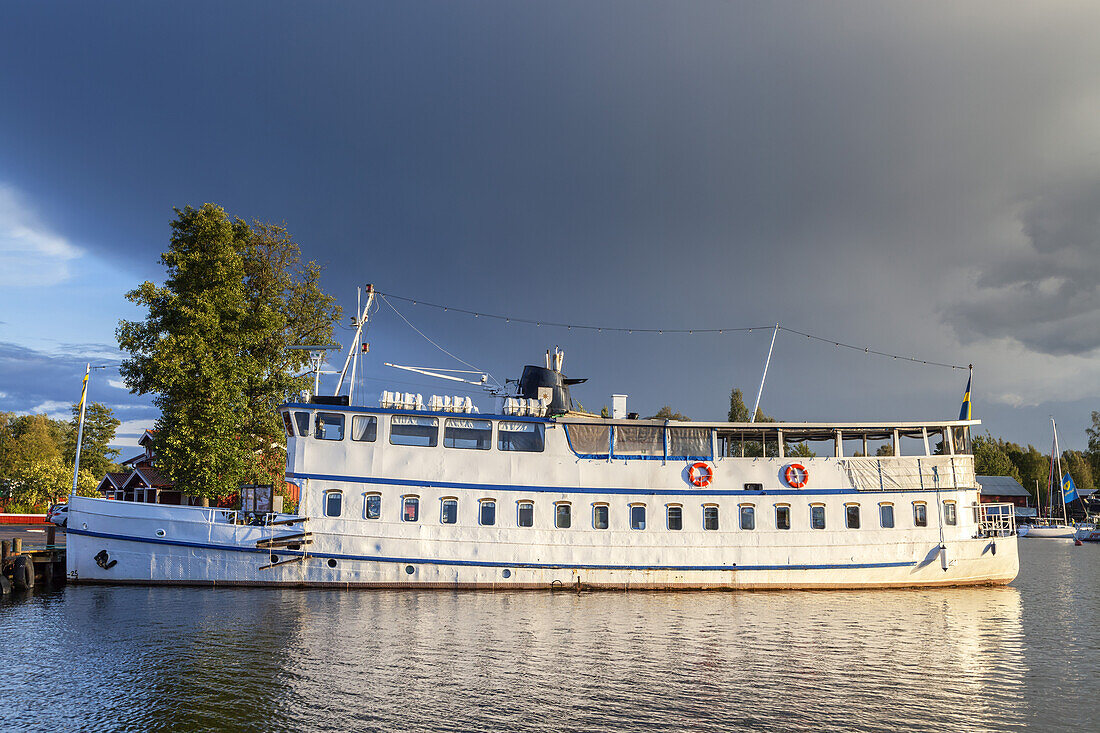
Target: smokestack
618	406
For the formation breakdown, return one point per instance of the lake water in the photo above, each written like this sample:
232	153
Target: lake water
184	659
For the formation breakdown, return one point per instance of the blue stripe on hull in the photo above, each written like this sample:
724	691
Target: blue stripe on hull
586	490
481	563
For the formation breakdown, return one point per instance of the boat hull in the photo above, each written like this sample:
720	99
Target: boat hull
1057	532
153	544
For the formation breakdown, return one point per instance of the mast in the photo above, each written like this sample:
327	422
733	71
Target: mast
360	321
1058	454
756	406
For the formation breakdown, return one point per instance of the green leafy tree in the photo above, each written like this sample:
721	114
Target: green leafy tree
739	412
666	413
1033	467
1077	464
33	438
212	348
798	450
96	454
1093	434
990	459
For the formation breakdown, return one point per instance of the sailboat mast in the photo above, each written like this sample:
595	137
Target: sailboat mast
1058	455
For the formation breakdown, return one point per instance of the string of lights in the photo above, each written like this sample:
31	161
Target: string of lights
662	331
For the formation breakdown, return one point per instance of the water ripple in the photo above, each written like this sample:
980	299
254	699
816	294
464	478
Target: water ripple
182	659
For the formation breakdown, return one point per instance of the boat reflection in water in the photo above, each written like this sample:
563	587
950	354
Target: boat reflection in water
933	659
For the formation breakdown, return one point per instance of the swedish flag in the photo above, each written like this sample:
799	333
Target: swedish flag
964	413
1069	490
84	388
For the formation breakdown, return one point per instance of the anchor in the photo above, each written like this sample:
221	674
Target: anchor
103	560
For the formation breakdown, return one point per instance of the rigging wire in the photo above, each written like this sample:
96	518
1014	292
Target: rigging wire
658	331
433	343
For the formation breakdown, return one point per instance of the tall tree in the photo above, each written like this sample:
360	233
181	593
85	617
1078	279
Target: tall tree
1093	434
1077	464
991	460
96	454
666	413
739	412
212	348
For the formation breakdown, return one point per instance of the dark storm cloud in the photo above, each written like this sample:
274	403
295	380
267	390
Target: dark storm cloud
1047	295
846	168
49	382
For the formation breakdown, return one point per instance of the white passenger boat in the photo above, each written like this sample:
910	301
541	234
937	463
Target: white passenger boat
537	495
540	496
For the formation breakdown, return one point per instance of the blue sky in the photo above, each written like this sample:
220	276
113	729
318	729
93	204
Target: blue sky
920	179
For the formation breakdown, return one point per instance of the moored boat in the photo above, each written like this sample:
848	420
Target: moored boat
535	494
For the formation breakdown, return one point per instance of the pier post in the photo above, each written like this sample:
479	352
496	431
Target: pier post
17	545
5	550
51	535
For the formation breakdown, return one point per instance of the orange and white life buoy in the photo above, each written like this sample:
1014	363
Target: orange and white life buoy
700	474
796	475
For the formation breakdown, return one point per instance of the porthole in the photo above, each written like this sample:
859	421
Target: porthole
160	533
331	562
507	573
274	559
410	569
84	525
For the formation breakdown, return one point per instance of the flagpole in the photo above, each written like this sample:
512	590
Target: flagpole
80	425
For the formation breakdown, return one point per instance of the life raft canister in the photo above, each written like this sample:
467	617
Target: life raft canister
796	475
700	474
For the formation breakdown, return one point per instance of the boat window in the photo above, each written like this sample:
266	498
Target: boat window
288	424
886	516
526	437
674	515
782	517
526	514
364	428
487	513
710	517
851	516
302	419
639	440
949	514
599	516
562	517
637	516
472	434
920	514
817	516
688	443
754	487
748	516
333	503
449	511
589	440
330	426
413	430
372	506
410	511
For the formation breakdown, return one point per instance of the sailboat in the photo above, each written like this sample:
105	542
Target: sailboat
1050	526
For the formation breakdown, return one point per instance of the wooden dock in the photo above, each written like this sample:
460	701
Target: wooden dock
25	564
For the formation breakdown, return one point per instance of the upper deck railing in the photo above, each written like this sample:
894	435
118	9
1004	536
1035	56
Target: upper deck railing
889	473
596	437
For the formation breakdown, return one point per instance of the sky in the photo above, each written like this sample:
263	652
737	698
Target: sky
921	179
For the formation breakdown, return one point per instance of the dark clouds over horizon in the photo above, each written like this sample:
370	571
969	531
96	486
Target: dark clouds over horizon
920	178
